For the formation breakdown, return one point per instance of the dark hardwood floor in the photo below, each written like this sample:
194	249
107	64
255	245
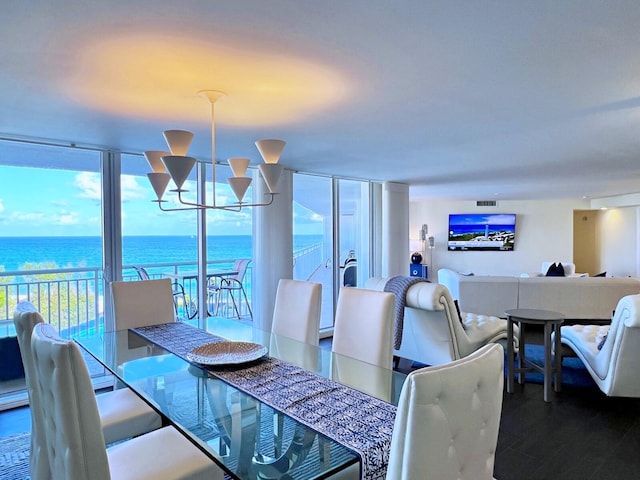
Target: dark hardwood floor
581	435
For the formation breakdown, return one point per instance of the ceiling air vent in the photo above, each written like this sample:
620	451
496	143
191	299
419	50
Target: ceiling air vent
486	203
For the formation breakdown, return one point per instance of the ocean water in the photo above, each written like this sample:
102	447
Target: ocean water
70	252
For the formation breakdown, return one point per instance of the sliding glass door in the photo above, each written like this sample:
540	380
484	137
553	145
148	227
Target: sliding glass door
312	237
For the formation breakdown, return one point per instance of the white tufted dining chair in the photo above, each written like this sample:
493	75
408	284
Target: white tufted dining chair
364	325
74	441
122	413
297	310
448	417
142	303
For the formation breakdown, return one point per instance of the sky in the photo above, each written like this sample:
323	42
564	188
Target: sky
49	202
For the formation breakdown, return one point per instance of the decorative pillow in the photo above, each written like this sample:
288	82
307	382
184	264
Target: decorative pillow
459	316
555	270
601	344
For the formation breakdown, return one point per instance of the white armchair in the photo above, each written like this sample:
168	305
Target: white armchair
433	333
615	366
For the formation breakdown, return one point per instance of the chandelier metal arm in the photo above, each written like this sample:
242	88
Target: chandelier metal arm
198	206
230	208
160	202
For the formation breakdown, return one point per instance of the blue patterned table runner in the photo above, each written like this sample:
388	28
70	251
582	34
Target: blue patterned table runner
359	421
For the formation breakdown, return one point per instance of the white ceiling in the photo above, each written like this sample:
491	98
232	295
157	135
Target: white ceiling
470	99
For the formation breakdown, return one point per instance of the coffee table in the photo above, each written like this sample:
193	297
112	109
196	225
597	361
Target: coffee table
551	322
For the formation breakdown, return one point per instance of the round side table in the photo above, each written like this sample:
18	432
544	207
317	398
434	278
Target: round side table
551	322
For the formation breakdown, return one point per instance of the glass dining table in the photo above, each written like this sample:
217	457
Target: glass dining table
248	436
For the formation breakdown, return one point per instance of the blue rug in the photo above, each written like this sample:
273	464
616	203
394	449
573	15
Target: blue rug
14	457
574	373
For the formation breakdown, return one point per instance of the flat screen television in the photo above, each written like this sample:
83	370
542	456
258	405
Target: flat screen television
482	231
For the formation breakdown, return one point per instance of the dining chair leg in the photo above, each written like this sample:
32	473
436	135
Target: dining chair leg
218	294
247	302
235	305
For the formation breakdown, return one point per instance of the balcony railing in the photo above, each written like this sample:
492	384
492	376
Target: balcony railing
68	298
72	299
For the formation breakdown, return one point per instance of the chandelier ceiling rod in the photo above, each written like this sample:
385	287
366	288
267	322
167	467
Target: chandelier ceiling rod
179	167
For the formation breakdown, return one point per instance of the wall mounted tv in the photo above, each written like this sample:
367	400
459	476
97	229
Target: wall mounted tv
482	231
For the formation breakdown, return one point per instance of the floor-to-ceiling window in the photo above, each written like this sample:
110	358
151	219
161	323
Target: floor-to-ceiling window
50	240
54	252
166	241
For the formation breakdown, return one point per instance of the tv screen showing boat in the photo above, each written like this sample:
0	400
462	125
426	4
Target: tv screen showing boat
482	231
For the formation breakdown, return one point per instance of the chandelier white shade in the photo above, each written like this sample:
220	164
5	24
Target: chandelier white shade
177	166
239	166
178	141
154	157
270	150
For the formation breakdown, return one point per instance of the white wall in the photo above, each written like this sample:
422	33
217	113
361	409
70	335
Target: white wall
618	238
544	232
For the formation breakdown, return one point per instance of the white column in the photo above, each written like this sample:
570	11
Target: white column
272	247
395	229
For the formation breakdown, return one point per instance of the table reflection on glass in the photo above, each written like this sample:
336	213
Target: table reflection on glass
248	438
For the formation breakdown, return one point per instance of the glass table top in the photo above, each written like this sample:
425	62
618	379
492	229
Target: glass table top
248	438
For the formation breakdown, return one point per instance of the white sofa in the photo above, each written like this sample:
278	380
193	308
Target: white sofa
433	333
578	298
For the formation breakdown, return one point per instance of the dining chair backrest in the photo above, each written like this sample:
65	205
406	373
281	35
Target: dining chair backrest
448	418
75	442
25	318
240	266
364	325
142	303
297	310
142	273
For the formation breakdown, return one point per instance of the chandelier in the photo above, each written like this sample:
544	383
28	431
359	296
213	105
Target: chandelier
179	167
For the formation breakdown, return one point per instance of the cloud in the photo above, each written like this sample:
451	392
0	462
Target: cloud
131	190
67	218
89	185
29	217
1	206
